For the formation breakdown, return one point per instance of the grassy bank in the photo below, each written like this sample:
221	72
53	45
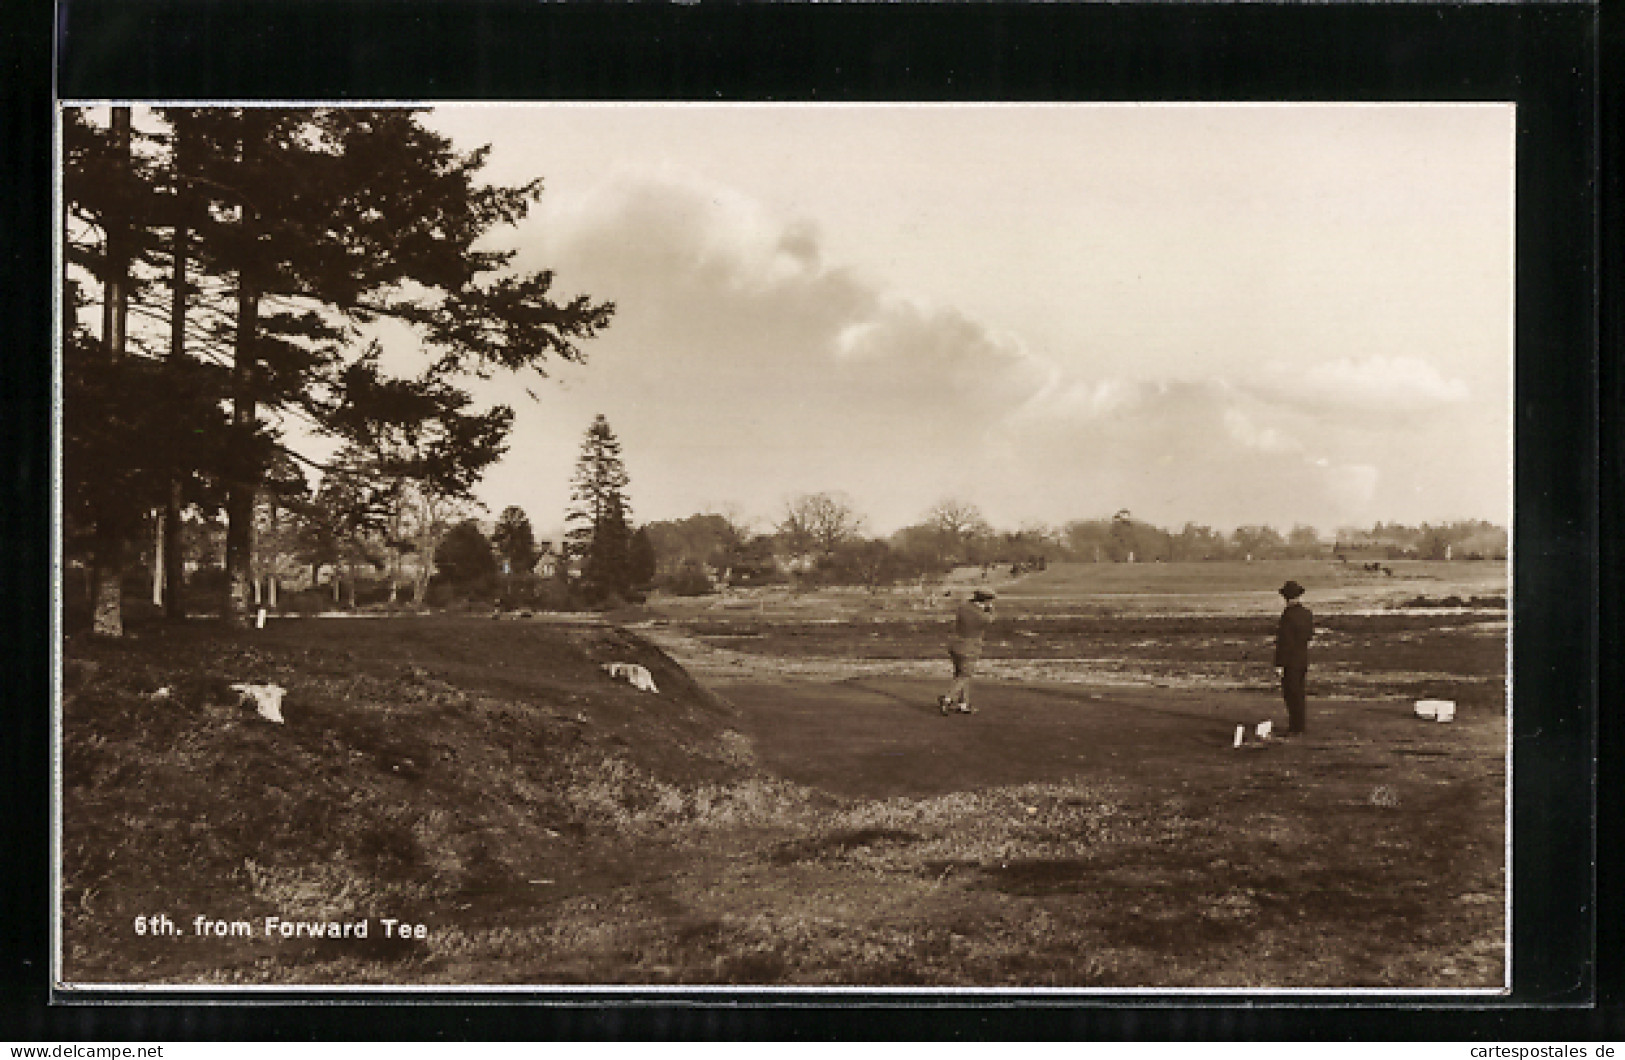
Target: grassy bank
427	768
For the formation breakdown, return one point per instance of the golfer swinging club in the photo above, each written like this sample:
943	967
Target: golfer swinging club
970	622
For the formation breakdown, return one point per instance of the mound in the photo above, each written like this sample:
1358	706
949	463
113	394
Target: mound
425	765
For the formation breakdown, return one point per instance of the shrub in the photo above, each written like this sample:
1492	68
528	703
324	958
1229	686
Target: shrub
371	591
532	591
305	601
206	584
444	591
552	594
440	593
746	577
464	557
688	580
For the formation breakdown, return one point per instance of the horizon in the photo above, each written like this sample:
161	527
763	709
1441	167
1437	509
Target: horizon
1328	536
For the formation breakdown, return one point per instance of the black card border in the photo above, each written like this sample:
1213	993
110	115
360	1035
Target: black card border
1544	57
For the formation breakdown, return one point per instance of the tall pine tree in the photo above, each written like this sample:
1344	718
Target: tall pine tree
600	534
130	431
296	225
514	540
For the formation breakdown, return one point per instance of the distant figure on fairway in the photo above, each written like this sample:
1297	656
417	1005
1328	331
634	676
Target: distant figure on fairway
970	622
1292	638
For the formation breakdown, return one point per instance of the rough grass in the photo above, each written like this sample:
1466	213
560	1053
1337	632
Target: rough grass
550	826
387	789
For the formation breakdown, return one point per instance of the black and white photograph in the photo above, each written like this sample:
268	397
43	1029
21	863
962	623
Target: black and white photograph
1045	547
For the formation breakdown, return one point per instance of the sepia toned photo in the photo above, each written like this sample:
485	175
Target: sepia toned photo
1041	548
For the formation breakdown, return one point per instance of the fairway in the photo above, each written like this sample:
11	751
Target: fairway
881	738
1098	785
1232	586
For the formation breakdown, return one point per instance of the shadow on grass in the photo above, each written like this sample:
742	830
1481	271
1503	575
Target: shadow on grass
838	844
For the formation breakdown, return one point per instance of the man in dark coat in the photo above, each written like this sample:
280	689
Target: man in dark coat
1292	656
970	623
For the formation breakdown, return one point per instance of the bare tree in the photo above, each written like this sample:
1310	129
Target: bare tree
818	522
958	523
425	516
736	535
955	517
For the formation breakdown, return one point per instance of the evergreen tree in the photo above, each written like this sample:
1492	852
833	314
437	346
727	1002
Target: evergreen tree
514	540
134	438
641	561
114	205
295	225
607	570
601	533
465	558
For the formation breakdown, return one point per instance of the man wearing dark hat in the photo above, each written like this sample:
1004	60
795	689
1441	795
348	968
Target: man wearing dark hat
1292	656
970	623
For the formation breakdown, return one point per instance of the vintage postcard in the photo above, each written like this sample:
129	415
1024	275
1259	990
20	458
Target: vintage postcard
1051	548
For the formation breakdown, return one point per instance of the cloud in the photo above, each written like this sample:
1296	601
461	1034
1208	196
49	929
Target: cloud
1171	450
906	344
1377	385
670	221
710	283
1244	431
1352	485
744	366
742	359
1065	397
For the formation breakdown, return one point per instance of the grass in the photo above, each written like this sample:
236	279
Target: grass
1325	578
387	789
551	826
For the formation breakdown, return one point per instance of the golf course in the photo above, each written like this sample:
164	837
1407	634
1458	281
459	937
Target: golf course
472	799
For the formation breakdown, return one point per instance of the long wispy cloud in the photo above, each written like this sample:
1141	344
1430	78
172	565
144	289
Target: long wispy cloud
1372	385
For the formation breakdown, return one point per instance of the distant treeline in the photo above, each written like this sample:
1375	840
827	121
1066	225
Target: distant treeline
818	541
693	554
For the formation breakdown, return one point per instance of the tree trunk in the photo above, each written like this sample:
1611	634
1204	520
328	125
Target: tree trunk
244	473
240	492
169	543
108	576
394	532
428	543
158	561
174	572
109	614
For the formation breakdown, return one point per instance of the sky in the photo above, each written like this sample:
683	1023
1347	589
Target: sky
1228	315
